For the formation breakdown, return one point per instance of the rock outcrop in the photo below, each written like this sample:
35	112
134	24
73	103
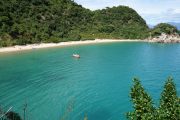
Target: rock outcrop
165	38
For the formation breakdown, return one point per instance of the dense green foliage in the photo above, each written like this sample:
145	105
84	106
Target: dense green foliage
143	108
119	22
163	28
34	21
169	108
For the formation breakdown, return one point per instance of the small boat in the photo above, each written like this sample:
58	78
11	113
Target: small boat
76	56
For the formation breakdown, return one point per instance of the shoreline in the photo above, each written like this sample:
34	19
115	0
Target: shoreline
61	44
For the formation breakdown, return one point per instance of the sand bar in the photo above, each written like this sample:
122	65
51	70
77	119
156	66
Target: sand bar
69	43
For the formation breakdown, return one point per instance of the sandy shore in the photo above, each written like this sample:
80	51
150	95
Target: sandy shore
70	43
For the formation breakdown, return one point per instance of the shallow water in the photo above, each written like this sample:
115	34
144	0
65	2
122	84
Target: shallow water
56	86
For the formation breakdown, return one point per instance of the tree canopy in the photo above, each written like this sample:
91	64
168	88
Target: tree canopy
142	103
34	21
169	108
120	22
164	28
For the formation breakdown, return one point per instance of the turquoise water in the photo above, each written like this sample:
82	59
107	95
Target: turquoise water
56	86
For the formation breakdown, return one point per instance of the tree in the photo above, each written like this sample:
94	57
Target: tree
36	21
163	28
119	22
169	108
142	103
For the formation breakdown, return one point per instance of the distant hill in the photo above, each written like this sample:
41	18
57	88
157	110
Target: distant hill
163	28
35	21
175	24
120	22
171	23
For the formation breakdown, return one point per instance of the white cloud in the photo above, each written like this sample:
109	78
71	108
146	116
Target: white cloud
171	15
177	10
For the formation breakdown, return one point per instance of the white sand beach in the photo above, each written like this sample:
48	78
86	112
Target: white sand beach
70	43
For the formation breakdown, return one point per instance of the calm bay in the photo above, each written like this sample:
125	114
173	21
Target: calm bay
57	86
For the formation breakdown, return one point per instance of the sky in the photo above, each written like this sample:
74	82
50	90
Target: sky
153	11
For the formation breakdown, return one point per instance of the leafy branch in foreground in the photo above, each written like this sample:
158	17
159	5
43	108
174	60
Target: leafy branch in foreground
143	108
169	108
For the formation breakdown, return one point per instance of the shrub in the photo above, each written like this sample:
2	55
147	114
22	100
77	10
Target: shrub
142	103
169	108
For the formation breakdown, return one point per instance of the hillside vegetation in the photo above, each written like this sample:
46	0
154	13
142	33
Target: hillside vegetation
35	21
118	22
163	28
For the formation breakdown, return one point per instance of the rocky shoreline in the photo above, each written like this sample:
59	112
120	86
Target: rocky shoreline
165	38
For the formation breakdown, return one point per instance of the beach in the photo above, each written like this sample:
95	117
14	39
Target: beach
69	43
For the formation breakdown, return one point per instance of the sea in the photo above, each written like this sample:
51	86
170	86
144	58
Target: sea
49	84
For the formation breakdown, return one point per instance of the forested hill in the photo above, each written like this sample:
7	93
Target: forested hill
120	22
35	21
